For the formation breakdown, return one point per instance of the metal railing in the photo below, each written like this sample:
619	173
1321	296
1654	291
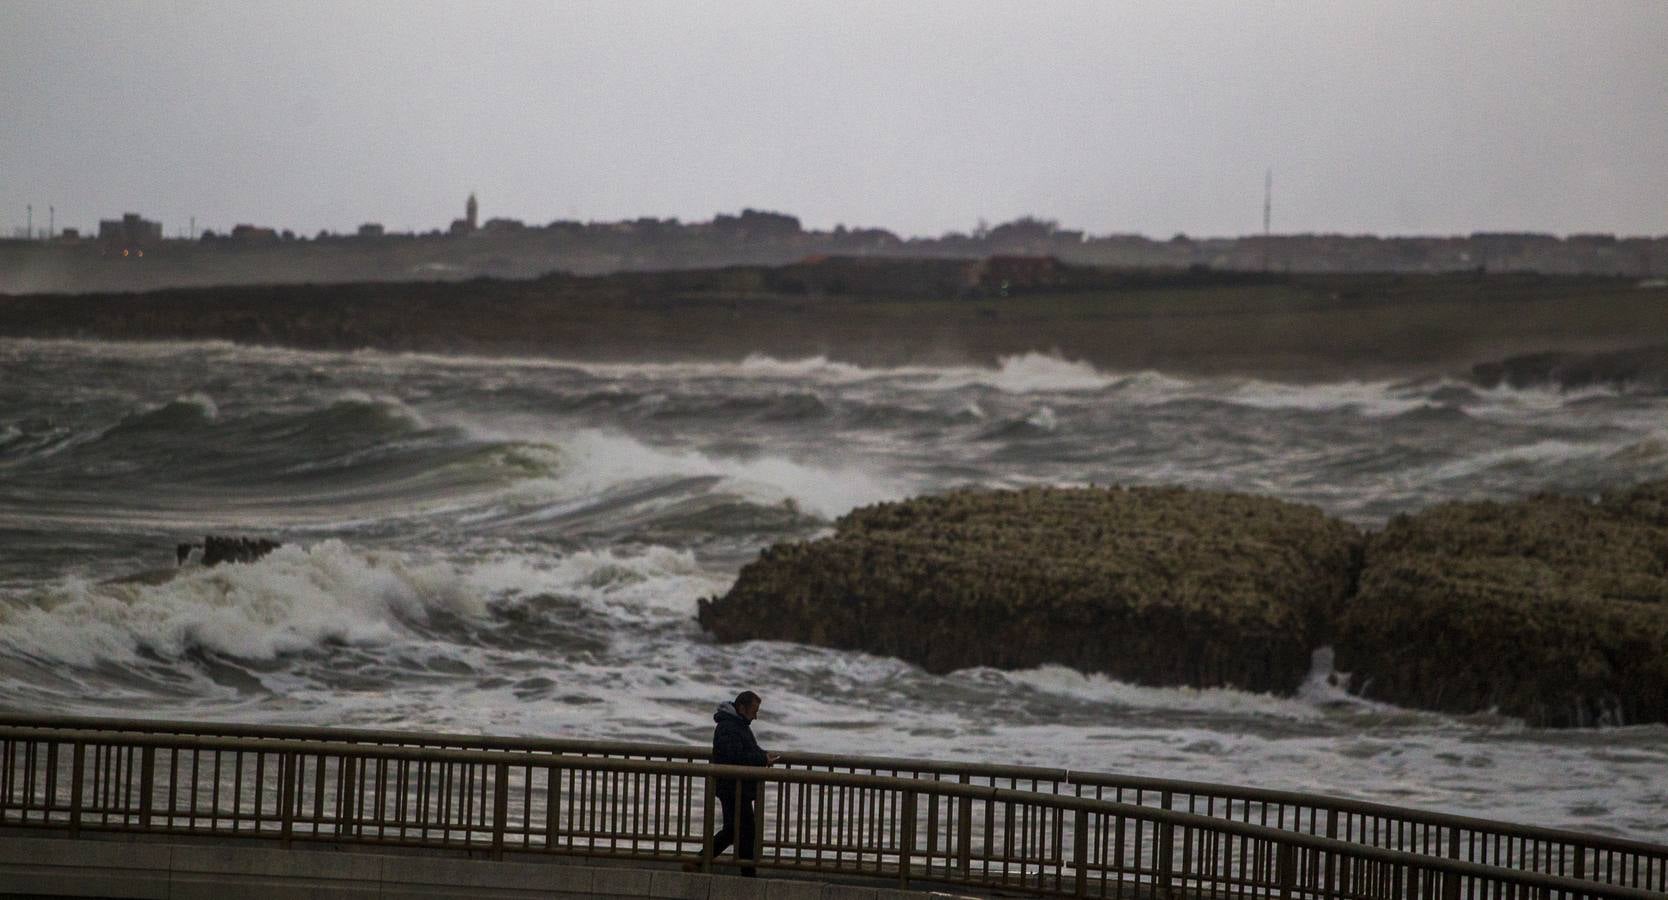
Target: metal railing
1598	858
907	829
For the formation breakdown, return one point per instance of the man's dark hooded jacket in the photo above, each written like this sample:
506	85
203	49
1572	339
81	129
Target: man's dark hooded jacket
733	745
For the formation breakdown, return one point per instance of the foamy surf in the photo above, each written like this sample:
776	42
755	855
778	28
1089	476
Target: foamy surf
293	600
517	546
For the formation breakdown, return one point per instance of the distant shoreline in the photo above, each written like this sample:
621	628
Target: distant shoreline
132	253
1286	327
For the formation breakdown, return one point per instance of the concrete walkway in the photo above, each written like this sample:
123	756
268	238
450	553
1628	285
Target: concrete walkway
35	864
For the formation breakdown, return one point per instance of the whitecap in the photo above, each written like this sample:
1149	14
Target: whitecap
292	600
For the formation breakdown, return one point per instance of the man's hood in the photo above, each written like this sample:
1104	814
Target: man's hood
727	710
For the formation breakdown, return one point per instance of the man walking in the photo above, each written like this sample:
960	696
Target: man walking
733	745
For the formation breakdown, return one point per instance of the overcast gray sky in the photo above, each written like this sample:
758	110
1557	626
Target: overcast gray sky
1414	116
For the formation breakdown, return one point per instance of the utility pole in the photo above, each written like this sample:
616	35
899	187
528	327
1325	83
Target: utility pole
51	221
29	229
1268	212
193	227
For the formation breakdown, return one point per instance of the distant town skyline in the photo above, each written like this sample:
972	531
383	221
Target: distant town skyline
471	221
1396	118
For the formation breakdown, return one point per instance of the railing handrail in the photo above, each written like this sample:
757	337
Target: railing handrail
574	746
81	737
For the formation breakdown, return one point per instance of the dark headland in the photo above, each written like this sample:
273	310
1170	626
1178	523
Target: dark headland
876	311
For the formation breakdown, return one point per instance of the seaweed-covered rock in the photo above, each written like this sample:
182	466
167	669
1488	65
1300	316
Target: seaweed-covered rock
1553	609
1151	585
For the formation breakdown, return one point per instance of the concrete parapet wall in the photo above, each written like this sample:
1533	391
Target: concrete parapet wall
40	865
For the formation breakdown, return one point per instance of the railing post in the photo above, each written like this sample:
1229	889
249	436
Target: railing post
500	809
1166	840
1080	851
1331	858
147	784
758	819
286	796
906	848
1285	869
1450	880
50	798
76	774
707	817
344	795
964	824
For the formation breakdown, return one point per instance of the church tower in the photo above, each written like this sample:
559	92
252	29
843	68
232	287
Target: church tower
471	212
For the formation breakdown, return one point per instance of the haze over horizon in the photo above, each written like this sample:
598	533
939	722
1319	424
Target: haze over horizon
1393	118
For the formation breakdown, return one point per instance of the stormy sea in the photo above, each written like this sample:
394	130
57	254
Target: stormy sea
516	546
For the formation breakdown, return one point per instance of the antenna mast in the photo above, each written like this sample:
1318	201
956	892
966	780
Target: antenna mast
1268	212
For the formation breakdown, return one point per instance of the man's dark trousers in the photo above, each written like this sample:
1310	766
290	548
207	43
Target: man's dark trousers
727	834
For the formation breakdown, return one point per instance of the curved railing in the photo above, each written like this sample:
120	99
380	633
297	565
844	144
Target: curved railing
1024	804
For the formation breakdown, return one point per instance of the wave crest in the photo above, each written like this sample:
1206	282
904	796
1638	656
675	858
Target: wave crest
292	600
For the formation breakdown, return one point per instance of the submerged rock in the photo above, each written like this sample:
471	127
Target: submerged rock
1157	586
1552	609
219	549
215	549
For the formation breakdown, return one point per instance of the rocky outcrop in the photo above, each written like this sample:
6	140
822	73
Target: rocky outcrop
1553	609
1151	585
1637	368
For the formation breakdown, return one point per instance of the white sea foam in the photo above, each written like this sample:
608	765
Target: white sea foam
201	401
1044	419
594	460
291	600
1538	453
657	581
1096	688
1506	403
1026	373
759	365
1375	399
386	404
1150	387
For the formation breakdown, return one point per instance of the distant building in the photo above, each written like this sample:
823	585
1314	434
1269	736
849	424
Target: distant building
371	230
503	226
131	230
470	221
755	224
254	234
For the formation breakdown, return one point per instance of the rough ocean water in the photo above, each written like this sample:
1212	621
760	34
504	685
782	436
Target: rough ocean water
517	547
